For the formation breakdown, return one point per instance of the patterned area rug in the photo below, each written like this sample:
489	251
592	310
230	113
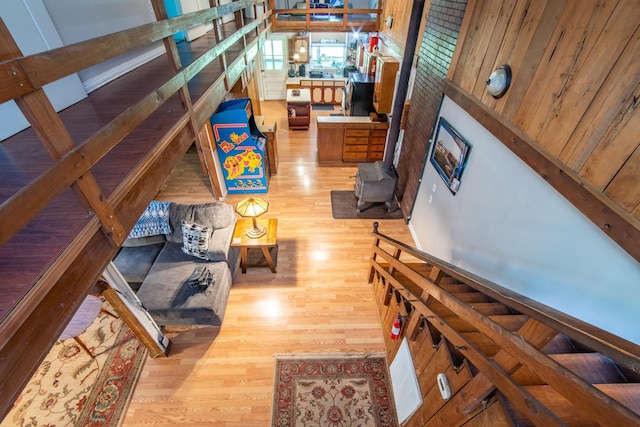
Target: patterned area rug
72	389
332	391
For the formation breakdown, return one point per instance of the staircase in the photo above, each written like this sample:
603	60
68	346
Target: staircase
509	361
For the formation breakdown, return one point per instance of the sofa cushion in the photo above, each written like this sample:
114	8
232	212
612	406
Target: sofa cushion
153	221
143	241
135	262
219	245
177	213
216	214
171	301
195	239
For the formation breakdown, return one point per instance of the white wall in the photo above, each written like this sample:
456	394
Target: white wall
508	225
78	20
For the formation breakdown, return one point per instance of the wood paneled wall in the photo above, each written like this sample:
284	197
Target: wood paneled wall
575	88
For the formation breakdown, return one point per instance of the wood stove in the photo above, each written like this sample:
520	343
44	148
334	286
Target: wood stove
374	184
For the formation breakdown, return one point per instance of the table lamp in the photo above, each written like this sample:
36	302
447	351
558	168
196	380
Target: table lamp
253	207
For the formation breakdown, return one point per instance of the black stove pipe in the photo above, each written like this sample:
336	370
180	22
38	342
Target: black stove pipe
403	83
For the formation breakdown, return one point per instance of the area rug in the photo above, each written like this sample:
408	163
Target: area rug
325	390
72	389
343	206
322	107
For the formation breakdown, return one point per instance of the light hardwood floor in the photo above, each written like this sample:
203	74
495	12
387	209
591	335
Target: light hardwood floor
317	302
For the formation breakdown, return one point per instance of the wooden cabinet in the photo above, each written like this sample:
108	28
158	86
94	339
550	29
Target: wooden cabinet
367	60
377	143
385	81
269	130
298	50
356	145
324	91
364	145
350	140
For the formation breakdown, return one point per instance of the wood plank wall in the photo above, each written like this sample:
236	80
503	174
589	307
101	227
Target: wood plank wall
575	87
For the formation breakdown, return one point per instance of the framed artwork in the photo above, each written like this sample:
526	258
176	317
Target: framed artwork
449	154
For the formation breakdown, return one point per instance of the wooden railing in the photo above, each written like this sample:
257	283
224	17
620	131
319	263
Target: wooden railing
32	321
323	19
435	296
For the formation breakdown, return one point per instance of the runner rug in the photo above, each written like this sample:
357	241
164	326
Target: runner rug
72	389
332	390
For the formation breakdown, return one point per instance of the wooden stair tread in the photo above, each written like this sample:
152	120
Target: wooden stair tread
456	288
482	342
473	297
511	322
559	344
485	308
409	284
594	368
420	267
627	394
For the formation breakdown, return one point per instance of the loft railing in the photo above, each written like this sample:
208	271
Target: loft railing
320	17
422	287
44	279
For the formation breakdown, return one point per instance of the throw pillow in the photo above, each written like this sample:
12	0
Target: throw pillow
153	221
195	239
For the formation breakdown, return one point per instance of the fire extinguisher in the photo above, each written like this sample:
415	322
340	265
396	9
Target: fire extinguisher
395	329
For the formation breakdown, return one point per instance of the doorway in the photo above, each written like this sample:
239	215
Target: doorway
274	73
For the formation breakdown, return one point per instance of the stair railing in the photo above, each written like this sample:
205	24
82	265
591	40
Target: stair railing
522	348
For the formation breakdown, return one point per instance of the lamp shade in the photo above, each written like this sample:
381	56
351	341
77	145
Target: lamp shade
252	207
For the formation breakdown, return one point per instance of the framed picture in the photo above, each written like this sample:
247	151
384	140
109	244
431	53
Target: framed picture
449	154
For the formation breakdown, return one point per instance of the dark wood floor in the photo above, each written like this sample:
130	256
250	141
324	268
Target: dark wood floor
24	258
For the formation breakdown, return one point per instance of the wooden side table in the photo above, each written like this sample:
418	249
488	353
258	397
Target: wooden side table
244	242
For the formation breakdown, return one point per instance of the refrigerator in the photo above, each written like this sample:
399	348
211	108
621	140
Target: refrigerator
241	147
359	95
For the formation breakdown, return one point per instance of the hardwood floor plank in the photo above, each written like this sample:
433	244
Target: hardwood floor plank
319	300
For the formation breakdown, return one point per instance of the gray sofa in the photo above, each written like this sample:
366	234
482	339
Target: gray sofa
162	269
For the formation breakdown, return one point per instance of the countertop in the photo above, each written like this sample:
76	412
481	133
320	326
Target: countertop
303	98
344	119
296	80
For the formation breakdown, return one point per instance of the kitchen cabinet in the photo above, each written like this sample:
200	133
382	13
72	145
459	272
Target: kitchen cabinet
350	140
385	82
324	91
298	50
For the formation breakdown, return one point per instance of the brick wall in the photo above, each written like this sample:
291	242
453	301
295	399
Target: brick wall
436	50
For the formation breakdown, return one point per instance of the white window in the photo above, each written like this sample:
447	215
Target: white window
328	56
273	55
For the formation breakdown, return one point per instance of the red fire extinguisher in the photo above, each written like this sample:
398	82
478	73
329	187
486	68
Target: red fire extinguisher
395	329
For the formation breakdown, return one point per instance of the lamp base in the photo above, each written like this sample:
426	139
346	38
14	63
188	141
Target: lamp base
257	231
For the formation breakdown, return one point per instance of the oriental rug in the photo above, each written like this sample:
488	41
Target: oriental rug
325	390
72	389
